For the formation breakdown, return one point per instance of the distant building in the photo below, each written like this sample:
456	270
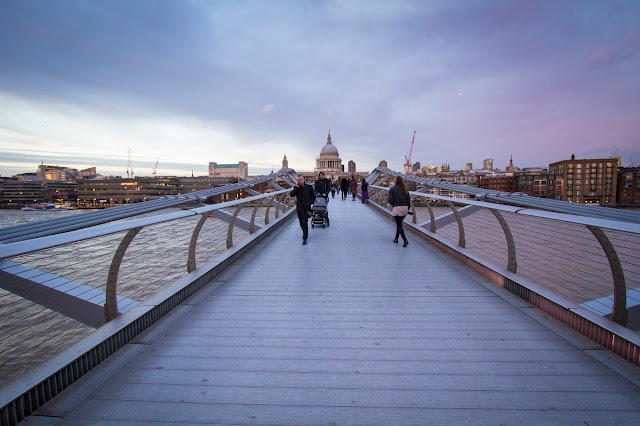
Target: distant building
430	169
487	164
628	194
619	160
444	168
468	167
416	167
383	163
285	162
200	183
510	167
26	176
113	192
46	172
238	171
329	161
590	181
88	173
505	182
533	182
20	192
352	166
459	178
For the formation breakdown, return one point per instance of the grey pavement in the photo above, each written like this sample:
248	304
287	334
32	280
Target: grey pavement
353	329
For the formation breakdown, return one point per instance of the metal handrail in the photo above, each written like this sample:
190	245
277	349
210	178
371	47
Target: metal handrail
582	220
23	247
28	395
43	228
517	199
595	225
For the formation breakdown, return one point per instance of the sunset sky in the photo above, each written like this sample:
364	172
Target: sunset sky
186	82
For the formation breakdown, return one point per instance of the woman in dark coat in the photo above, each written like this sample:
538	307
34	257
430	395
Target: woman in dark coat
400	202
365	190
354	188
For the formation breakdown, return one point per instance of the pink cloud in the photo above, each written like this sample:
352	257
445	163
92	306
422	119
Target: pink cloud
618	53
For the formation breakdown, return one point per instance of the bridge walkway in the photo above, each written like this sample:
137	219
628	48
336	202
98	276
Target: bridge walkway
353	329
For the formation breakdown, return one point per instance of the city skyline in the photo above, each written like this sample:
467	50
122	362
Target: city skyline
185	83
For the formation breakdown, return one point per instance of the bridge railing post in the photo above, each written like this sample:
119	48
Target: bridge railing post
620	312
512	264
461	236
111	291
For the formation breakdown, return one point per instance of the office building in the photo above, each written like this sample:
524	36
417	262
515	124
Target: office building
238	171
505	182
628	194
588	181
533	182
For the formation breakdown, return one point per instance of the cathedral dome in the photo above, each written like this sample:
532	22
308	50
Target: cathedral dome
329	162
329	148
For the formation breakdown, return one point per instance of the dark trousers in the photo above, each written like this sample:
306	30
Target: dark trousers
399	230
303	216
344	194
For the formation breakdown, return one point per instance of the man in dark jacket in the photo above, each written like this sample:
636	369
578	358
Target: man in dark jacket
322	186
305	196
344	186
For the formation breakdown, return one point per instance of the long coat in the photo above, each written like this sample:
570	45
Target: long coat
354	186
305	196
365	190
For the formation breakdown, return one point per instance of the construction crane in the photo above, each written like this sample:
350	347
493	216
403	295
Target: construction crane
407	160
155	169
129	166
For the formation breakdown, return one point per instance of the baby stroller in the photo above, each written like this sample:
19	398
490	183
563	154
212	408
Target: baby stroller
320	214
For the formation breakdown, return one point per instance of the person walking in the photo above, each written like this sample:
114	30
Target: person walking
333	190
322	186
344	185
305	196
400	202
354	188
365	190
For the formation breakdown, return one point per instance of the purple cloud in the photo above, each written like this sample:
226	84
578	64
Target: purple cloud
619	53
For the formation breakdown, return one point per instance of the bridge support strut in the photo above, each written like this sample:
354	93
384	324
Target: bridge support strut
620	312
111	299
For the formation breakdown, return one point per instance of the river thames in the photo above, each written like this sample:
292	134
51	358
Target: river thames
16	217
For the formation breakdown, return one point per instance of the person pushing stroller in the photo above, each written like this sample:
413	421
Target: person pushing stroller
320	215
322	186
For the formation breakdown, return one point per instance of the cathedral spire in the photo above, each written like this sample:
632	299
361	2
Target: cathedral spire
329	138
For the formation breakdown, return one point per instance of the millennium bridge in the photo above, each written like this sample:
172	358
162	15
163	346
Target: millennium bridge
503	309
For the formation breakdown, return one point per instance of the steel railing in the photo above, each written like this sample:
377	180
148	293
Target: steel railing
554	260
595	226
108	270
32	230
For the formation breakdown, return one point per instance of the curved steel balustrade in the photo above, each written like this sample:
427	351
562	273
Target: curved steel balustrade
43	228
30	268
515	199
595	225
